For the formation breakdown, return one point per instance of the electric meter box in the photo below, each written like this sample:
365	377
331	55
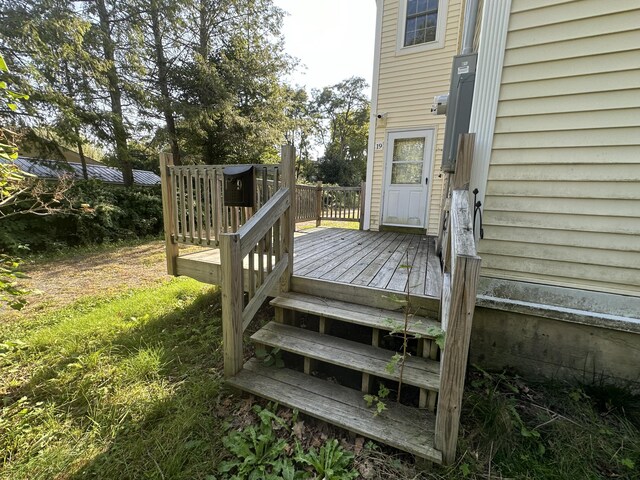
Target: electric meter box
239	186
463	78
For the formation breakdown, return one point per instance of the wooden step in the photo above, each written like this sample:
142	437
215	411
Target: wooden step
399	426
359	314
419	372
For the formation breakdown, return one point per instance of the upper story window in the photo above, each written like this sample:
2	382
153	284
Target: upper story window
421	22
422	25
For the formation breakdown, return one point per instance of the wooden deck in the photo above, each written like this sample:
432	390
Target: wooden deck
371	259
377	260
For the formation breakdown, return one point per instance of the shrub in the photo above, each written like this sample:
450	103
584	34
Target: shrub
99	213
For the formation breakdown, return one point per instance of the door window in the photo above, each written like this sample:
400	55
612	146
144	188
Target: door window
407	161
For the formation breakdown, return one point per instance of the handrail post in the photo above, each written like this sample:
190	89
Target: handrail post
458	305
288	155
318	203
168	213
232	302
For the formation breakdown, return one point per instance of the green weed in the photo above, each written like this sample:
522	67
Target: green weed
265	452
331	463
377	401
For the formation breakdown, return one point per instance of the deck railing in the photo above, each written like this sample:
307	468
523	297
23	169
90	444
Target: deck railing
318	202
199	213
263	248
461	270
256	243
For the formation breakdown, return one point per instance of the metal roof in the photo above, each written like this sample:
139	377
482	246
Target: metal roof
56	169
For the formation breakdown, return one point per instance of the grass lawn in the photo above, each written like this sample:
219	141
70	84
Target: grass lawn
127	384
114	388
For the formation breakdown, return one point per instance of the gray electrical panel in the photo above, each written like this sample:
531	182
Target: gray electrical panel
463	77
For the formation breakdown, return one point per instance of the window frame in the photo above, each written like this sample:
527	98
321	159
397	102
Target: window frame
420	47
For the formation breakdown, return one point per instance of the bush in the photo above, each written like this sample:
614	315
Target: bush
99	213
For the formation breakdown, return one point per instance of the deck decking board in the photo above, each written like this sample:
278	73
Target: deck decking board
349	262
433	283
315	254
352	273
419	372
306	241
335	267
397	258
399	279
369	273
347	242
401	427
345	257
417	276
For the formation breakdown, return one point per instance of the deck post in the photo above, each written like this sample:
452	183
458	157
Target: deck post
363	191
318	203
288	155
168	213
232	302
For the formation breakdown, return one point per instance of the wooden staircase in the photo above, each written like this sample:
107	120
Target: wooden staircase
334	352
328	331
312	331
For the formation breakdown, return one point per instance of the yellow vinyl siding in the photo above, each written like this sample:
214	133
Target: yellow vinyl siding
563	194
587	28
407	84
587	102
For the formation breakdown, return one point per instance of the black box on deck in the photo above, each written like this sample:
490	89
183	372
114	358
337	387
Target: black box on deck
239	186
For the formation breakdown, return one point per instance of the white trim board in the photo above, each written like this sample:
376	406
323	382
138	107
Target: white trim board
493	39
373	115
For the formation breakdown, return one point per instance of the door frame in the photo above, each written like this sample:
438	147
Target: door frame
419	131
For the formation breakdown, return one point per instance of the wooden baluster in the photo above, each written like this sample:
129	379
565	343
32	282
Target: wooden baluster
363	187
192	217
252	273
177	178
198	204
269	244
207	204
260	262
265	186
277	240
318	209
183	204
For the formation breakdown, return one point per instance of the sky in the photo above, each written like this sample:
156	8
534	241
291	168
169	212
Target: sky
334	39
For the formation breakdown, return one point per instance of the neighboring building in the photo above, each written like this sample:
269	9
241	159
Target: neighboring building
556	113
51	151
53	170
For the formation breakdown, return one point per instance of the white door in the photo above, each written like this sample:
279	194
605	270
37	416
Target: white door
406	190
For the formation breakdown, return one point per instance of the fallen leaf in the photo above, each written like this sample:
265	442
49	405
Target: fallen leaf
359	444
298	429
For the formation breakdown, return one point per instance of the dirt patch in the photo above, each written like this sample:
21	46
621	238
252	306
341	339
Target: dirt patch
62	281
